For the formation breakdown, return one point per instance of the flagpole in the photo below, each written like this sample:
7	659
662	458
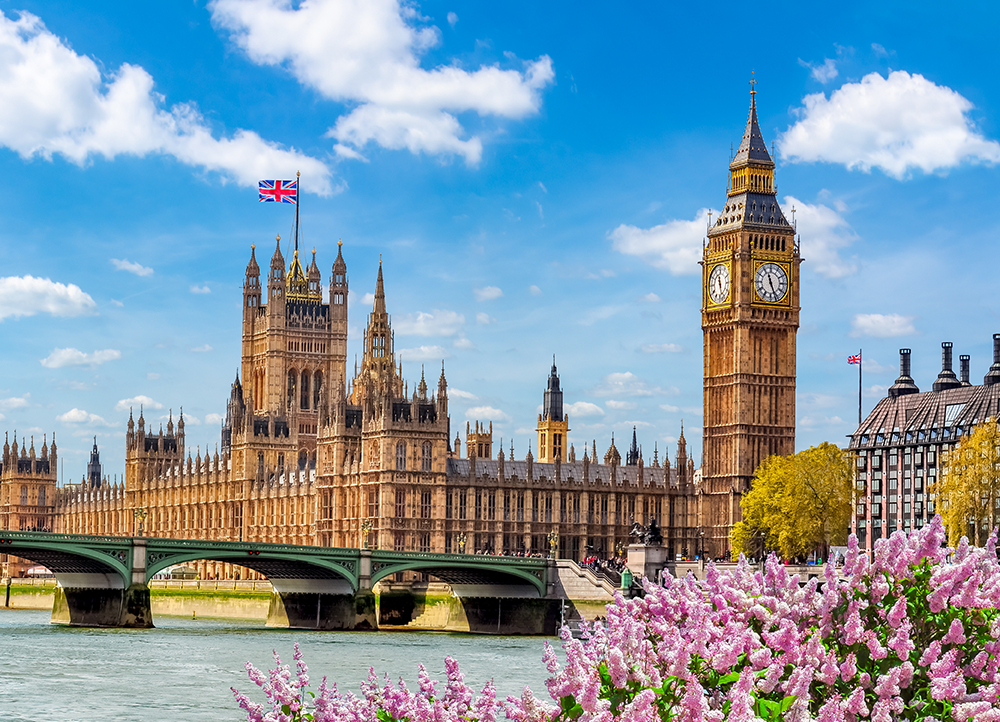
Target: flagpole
860	364
297	183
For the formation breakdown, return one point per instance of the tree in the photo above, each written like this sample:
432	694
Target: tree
797	504
968	490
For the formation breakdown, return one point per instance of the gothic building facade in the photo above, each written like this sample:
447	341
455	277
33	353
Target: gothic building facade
27	493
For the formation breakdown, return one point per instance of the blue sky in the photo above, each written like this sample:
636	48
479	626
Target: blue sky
535	176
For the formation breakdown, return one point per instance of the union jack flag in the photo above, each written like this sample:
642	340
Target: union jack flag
278	191
854	360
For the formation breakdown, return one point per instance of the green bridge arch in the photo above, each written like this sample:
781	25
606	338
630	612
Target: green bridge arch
497	570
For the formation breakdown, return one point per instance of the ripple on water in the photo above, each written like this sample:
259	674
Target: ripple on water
182	670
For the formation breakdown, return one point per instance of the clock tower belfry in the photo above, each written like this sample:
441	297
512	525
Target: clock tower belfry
750	316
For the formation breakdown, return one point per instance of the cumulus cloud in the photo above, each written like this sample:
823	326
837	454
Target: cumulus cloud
824	232
204	348
674	246
137	401
824	72
123	264
626	383
27	295
15	402
452	19
487	294
367	54
435	323
661	348
79	416
423	353
152	376
459	394
620	405
62	357
534	290
485	319
882	325
651	298
55	101
584	408
487	413
897	123
213	419
463	342
200	289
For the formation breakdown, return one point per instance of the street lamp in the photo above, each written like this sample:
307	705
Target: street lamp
701	547
140	515
553	543
366	527
461	543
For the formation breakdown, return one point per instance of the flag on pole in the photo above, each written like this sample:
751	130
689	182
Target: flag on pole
855	359
278	191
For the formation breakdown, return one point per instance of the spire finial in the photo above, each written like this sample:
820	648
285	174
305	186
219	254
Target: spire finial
753	86
340	242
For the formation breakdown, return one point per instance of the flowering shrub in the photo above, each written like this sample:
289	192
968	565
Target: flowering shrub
906	635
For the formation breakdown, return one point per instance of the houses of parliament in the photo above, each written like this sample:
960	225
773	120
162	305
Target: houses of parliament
312	454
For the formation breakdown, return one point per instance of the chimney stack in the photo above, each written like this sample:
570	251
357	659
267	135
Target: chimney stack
946	379
993	376
904	384
963	372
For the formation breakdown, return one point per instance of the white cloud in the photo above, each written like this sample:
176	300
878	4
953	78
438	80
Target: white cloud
823	73
874	367
626	384
534	290
62	357
55	101
601	313
123	264
542	186
463	342
674	246
117	303
452	19
188	419
880	51
896	124
670	408
621	405
368	299
487	294
204	348
136	401
459	394
824	232
541	211
367	54
79	416
152	376
487	413
435	323
584	408
15	402
812	422
27	295
213	419
877	391
485	319
423	353
651	298
882	325
200	289
661	348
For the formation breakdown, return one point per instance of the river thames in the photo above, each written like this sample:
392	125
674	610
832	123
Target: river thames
182	670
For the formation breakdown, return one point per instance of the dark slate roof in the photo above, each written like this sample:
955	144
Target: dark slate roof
752	149
570	471
752	211
927	417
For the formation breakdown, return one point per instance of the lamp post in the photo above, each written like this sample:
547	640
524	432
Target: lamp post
140	515
701	547
461	543
366	527
553	543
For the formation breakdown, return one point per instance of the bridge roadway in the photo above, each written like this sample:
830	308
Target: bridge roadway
103	580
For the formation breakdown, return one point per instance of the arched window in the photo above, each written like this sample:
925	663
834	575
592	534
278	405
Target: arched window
317	387
292	377
41	496
401	456
304	400
427	457
782	244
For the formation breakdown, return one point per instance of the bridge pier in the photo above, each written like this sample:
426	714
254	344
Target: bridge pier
320	604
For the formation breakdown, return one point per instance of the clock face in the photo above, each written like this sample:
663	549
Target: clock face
718	283
771	282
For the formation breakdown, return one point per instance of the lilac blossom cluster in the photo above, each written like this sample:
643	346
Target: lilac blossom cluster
912	633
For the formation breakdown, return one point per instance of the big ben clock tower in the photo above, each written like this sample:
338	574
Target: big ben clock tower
750	315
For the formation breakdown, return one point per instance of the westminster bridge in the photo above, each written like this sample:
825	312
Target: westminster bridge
103	581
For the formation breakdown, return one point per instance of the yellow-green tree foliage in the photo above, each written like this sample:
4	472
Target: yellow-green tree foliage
797	504
967	491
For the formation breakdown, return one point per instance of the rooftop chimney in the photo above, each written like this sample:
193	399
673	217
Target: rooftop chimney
946	379
993	376
904	384
963	370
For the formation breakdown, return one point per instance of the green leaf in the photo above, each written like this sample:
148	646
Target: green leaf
285	709
729	678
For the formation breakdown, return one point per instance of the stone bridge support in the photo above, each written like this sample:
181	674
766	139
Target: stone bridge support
104	599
